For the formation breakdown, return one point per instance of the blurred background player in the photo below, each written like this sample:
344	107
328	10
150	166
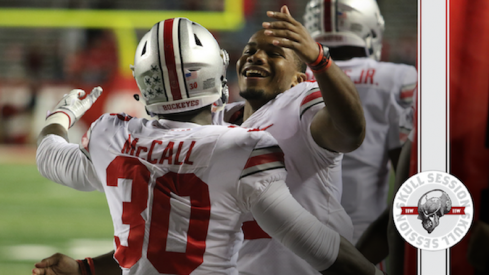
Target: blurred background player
396	243
468	134
313	122
353	30
179	188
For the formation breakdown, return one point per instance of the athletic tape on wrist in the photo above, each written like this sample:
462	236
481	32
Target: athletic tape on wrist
59	118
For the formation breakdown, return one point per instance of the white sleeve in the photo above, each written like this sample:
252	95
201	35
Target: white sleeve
396	135
283	218
406	122
64	163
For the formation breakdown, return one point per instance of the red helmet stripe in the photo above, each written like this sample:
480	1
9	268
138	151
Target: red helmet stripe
327	20
170	59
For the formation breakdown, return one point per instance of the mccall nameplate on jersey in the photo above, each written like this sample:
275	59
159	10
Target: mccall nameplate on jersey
433	210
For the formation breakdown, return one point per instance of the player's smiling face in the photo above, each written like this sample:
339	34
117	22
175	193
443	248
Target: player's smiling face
265	70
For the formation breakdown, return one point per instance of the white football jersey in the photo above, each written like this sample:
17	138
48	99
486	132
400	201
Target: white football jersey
407	119
313	176
386	91
177	192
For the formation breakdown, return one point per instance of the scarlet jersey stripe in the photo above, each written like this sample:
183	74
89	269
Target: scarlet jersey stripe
170	59
403	134
122	116
264	159
85	140
312	98
407	93
253	231
85	143
312	95
327	16
267	150
238	115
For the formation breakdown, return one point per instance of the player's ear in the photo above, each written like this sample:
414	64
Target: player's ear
298	78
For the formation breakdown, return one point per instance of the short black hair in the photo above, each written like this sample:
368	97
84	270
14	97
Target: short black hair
300	65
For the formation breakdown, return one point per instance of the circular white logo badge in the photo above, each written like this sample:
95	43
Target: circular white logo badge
433	210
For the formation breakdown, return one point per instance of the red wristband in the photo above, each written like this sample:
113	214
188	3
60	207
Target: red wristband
82	267
320	56
91	265
86	266
322	62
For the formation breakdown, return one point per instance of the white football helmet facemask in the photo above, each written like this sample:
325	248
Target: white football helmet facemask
336	23
179	67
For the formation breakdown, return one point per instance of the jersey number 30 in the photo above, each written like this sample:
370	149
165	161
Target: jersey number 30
183	185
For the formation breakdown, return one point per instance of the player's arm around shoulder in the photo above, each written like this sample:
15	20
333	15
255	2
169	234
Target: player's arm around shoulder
283	218
263	166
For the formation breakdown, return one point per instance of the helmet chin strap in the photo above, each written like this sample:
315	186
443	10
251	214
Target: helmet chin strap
368	46
151	114
136	97
222	101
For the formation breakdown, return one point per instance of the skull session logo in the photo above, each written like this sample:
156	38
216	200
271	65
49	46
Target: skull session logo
431	207
433	210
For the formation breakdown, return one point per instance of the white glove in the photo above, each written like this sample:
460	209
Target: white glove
70	108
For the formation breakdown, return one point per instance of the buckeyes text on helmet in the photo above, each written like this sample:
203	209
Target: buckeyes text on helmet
335	23
179	67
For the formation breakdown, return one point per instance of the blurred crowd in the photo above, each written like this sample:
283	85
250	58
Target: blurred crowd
39	64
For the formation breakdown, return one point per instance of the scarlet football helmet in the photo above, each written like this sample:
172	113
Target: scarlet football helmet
179	67
336	23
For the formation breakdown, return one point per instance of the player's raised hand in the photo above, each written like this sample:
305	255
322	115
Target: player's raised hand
57	264
291	34
73	107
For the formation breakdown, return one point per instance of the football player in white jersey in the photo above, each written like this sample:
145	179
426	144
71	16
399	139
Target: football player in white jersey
353	30
179	188
313	122
396	243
